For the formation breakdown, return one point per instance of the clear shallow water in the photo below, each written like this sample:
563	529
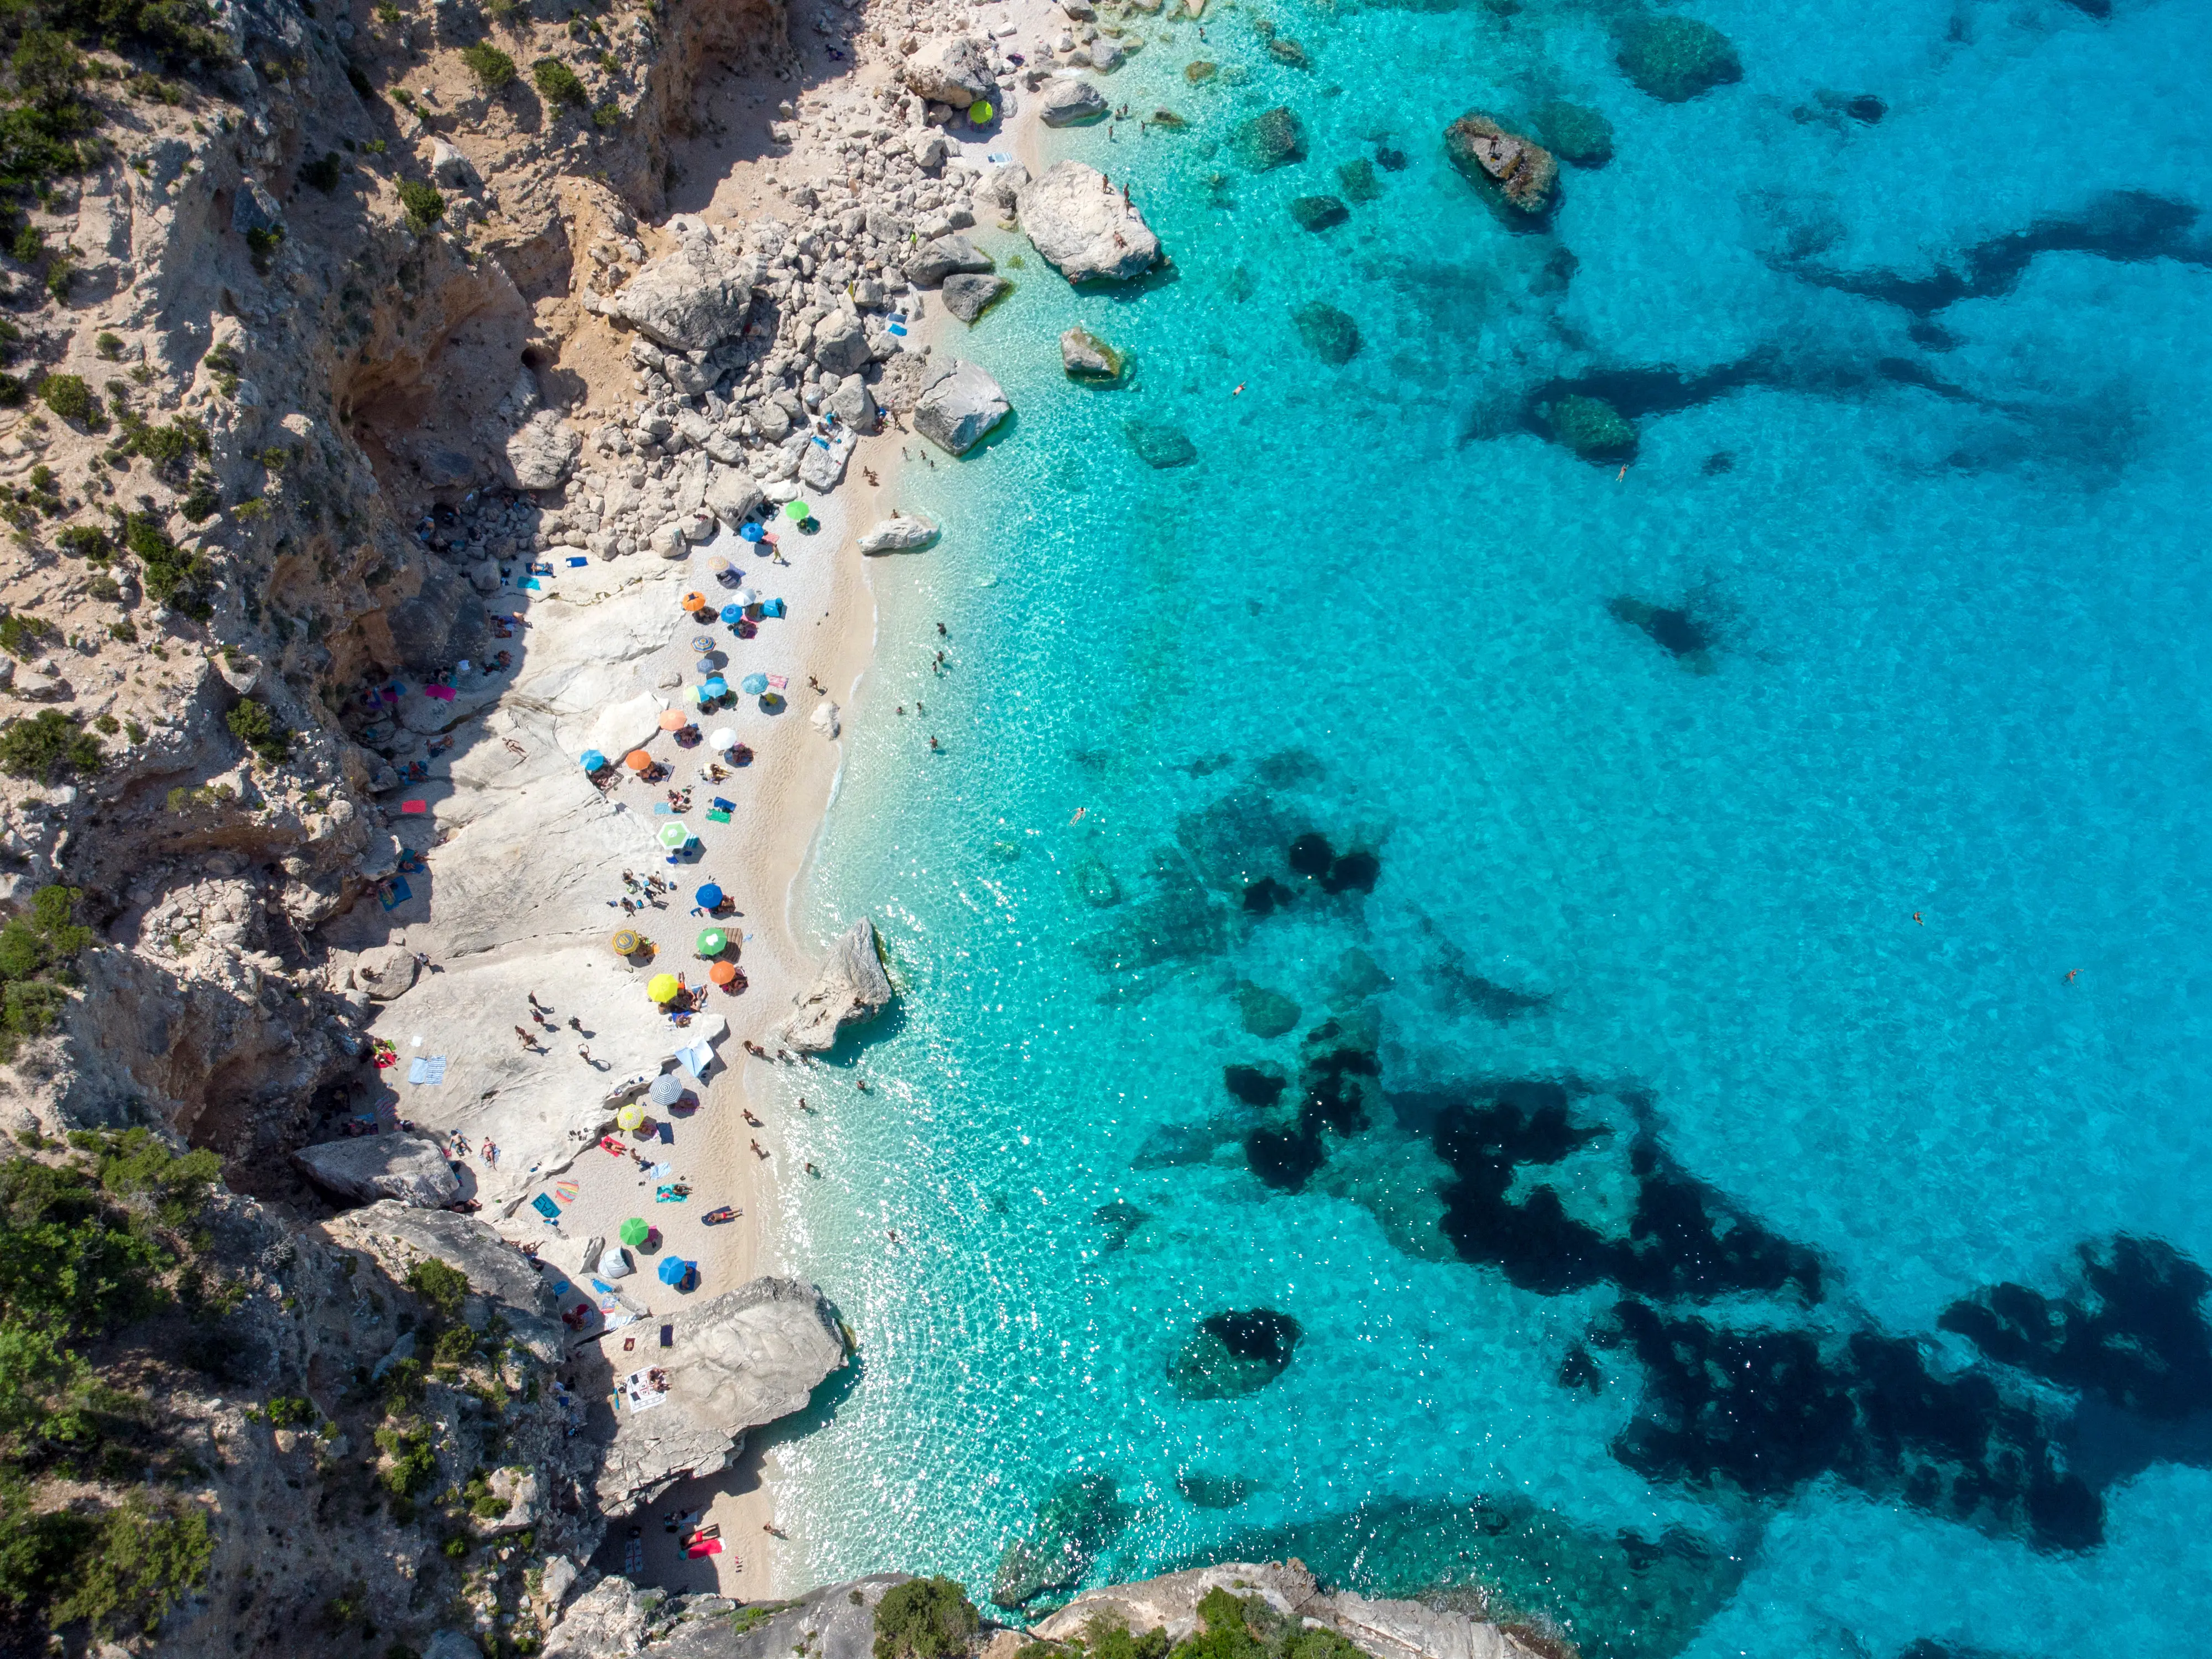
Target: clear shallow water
1652	1347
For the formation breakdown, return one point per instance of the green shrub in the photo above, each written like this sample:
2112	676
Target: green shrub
145	1560
607	116
46	747
124	633
444	1289
87	542
252	725
109	345
291	1411
261	244
323	174
424	205
456	1346
493	68
20	634
925	1618
69	396
173	577
108	723
414	1460
558	81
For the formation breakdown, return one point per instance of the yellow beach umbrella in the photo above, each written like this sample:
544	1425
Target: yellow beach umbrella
626	941
663	987
629	1117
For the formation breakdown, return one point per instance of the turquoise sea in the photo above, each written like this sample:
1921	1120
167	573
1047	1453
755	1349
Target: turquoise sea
1667	1008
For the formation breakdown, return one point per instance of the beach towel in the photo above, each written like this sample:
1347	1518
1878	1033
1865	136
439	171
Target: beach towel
662	1172
668	1336
442	693
431	1070
778	682
710	1546
661	809
712	817
396	893
667	1136
669	1195
573	563
546	1207
566	1191
634	1557
531	582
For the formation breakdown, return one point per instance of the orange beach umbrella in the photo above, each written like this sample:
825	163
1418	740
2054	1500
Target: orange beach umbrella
674	720
638	761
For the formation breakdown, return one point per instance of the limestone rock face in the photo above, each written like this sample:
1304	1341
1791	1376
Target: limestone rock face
956	71
747	1358
904	532
968	295
1085	356
1509	169
961	405
852	986
936	261
834	1621
499	1278
692	299
539	454
408	1168
1066	103
1079	223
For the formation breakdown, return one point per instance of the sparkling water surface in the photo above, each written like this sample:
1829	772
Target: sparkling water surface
1764	912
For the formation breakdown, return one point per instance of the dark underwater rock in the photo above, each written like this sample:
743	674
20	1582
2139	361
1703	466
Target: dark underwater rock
1077	1516
1119	1222
1575	133
1200	71
1212	1491
1232	1354
1331	335
1513	172
1591	426
1318	212
1358	181
1671	628
1256	1085
1160	445
1273	138
1266	1013
1676	58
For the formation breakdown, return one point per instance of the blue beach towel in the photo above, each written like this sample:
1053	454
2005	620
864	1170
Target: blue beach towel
432	1070
546	1207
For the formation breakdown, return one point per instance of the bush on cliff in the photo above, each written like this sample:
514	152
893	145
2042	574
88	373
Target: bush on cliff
47	747
559	83
925	1618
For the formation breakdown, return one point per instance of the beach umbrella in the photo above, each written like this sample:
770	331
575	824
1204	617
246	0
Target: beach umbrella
753	684
695	600
722	736
702	643
594	761
708	898
980	113
671	720
712	941
633	1232
629	1117
716	687
751	532
797	512
626	942
638	761
676	835
746	596
722	972
665	1091
733	614
674	1270
662	987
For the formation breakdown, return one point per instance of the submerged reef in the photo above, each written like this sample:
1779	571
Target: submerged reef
1234	1354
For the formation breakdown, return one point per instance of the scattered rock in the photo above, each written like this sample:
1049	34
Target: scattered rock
902	532
1079	221
1331	335
1273	138
1284	50
955	71
1318	212
1087	357
1576	133
449	167
1201	71
841	343
934	261
692	299
959	405
1510	171
824	719
1591	426
733	497
254	210
367	1168
851	402
1675	58
1069	103
539	454
852	987
968	295
1159	445
1266	1013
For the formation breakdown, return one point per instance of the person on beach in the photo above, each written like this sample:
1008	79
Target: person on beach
757	1150
934	747
528	1041
584	1052
575	1023
941	634
816	1173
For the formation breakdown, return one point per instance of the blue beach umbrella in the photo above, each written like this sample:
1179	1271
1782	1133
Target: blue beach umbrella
594	761
733	614
708	898
751	532
674	1269
753	684
716	687
665	1091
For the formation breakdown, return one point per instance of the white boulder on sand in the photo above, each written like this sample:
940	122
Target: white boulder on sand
958	406
693	299
1080	222
902	532
956	71
408	1168
1066	102
539	453
748	1357
851	987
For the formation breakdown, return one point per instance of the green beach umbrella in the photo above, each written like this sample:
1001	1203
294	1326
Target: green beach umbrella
712	941
675	836
980	111
797	512
635	1231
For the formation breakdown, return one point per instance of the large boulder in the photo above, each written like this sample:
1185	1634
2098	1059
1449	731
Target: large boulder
1513	172
408	1168
692	299
1676	58
852	986
902	532
732	496
743	1359
934	261
540	451
1085	357
1083	225
960	403
1273	138
956	71
841	343
968	295
1067	103
1576	133
1330	334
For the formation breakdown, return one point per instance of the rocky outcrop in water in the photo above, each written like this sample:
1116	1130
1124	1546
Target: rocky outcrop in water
959	405
1273	138
1083	356
1084	226
968	295
852	987
1070	103
902	532
1512	172
1675	58
1330	334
